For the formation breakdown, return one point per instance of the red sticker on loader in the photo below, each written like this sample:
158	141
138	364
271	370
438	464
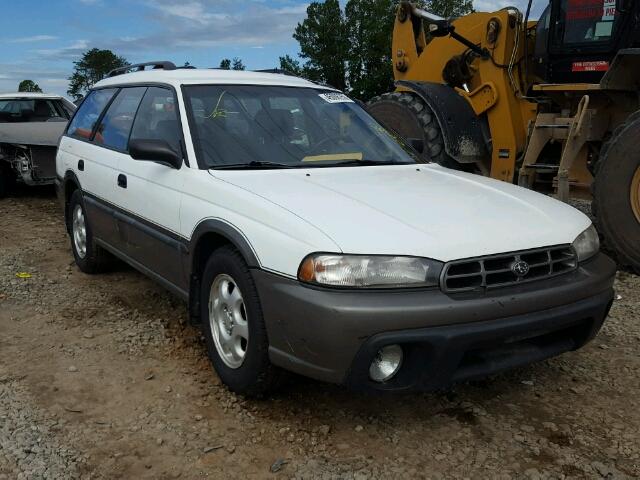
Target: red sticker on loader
599	66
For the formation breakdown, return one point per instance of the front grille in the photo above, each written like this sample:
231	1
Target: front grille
496	270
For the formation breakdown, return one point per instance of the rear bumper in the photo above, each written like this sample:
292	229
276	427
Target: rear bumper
333	335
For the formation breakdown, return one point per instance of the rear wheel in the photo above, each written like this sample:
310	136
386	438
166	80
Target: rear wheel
89	257
616	194
409	116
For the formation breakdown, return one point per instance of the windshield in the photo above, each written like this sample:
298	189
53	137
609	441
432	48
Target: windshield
252	126
32	110
586	21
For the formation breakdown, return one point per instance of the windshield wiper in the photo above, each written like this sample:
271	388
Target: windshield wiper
366	163
255	165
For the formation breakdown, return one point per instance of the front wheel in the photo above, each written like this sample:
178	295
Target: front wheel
233	325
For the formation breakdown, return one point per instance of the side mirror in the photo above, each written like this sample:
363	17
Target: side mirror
157	151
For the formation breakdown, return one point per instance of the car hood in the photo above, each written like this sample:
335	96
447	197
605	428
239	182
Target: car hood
421	210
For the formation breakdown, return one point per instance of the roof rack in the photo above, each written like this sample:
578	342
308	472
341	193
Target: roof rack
277	70
139	67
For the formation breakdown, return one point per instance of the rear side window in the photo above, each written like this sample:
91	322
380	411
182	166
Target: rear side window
115	125
87	115
157	118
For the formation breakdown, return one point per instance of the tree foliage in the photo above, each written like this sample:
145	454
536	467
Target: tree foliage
29	86
351	50
236	64
323	43
291	65
449	8
232	64
369	26
91	68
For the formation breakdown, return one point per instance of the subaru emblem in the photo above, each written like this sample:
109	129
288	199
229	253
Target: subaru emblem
520	268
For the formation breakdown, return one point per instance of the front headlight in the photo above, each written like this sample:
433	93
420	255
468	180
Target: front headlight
587	244
369	271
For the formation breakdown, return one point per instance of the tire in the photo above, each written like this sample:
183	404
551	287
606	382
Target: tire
409	116
89	257
616	194
244	367
6	180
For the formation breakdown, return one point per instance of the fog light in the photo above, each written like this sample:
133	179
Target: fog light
386	363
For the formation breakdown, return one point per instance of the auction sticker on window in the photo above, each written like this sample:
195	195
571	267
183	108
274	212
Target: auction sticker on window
335	97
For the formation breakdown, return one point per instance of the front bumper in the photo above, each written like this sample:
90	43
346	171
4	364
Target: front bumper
333	335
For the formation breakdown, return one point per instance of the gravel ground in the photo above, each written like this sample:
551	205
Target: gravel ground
101	377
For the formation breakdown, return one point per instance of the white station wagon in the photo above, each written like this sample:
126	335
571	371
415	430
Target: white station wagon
305	237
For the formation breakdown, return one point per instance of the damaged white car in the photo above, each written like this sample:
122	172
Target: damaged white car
30	126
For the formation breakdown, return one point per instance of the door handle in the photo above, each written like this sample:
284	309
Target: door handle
81	165
122	181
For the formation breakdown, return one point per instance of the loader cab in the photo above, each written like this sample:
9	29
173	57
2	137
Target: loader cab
576	40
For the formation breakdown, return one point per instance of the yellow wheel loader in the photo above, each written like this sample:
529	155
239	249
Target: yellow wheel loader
552	105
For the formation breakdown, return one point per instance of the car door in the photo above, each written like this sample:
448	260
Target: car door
111	139
150	192
95	167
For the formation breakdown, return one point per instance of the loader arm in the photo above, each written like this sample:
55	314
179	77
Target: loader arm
491	84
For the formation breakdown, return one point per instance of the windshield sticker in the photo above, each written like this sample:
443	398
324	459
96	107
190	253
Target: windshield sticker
335	97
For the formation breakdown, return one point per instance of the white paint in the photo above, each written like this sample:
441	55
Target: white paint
418	210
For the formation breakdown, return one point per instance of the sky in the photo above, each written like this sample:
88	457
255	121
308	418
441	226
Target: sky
40	39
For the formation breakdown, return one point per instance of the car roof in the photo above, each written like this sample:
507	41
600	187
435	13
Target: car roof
194	76
28	95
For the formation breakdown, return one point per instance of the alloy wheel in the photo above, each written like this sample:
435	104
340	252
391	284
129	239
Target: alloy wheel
228	321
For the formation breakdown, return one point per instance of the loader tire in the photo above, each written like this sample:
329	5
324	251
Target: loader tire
409	116
616	194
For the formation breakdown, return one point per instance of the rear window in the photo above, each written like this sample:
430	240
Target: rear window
87	115
28	110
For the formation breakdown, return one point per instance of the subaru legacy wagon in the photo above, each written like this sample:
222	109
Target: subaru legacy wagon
307	238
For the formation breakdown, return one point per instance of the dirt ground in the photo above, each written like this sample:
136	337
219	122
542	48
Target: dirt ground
101	377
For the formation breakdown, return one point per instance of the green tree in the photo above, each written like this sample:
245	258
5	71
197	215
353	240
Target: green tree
369	26
323	43
91	68
354	50
291	65
449	8
236	64
29	86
